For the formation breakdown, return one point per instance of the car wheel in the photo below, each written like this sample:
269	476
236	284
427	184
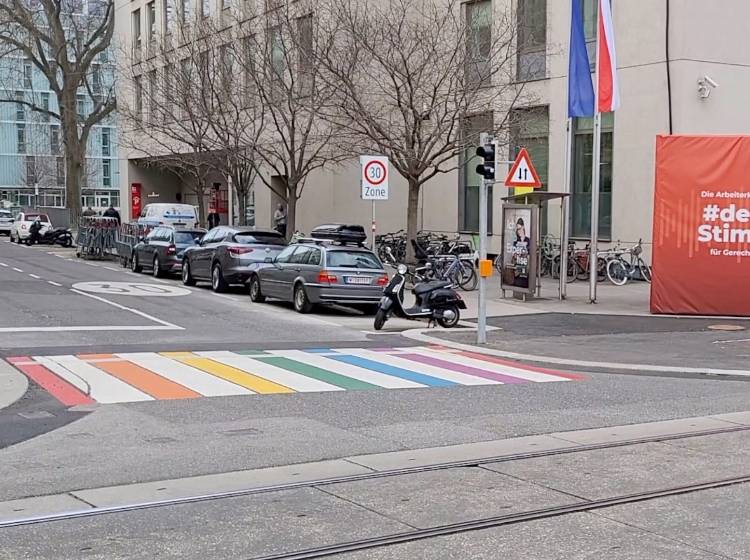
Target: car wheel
187	277
218	283
301	303
256	296
157	267
134	266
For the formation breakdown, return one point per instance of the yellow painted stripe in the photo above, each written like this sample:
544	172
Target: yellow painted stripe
229	373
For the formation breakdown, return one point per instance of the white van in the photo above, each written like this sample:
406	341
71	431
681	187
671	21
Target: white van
180	215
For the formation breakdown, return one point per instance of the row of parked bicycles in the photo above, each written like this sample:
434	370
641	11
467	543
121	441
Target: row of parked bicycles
439	257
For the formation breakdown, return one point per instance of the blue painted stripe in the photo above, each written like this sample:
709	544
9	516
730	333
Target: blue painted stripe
320	351
394	371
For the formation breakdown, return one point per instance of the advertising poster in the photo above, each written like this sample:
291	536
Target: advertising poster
701	258
519	248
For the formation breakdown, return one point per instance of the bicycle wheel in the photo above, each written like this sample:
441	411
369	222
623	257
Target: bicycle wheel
499	264
571	277
645	270
601	269
617	272
581	272
468	278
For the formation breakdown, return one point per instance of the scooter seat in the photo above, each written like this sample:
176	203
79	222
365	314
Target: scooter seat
431	286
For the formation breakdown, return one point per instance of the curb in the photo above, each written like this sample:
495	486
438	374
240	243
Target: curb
13	384
421	336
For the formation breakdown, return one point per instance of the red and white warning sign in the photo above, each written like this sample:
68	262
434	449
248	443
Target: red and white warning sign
374	177
522	173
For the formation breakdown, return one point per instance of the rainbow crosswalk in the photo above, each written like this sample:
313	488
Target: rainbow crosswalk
144	376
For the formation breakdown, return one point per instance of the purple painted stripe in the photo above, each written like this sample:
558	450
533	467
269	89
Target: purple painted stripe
463	369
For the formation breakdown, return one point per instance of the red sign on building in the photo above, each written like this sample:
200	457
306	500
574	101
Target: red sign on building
135	200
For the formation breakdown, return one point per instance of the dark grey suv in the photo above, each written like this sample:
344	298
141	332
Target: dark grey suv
227	255
162	249
318	272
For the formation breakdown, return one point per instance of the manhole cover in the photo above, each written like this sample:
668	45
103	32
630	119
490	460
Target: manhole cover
726	328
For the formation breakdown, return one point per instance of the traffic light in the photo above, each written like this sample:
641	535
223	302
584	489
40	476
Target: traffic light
487	152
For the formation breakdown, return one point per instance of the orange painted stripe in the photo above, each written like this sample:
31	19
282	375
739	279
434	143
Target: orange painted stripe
145	380
94	356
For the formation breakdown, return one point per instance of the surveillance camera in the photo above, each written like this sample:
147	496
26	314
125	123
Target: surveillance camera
710	81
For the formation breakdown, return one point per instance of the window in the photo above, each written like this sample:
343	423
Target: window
106	146
205	8
469	180
583	149
248	67
45	106
168	17
532	39
60	168
20	107
185	11
96	79
305	53
226	60
479	42
184	86
286	254
267	238
151	22
314	257
81	106
529	128
139	97
226	4
300	256
168	81
590	14
106	173
54	140
136	25
31	177
276	52
152	96
352	259
21	138
27	75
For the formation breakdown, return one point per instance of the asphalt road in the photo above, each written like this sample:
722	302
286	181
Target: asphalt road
47	448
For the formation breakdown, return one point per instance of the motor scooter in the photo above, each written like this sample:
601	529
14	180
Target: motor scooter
50	236
437	301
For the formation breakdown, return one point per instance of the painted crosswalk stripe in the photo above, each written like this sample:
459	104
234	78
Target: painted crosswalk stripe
146	380
67	394
104	387
527	367
393	370
64	373
314	372
190	377
283	377
229	373
507	379
366	375
503	369
440	373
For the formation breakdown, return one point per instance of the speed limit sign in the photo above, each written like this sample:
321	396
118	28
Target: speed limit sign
374	177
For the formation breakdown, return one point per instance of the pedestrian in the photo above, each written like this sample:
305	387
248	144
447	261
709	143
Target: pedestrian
279	218
89	212
112	213
213	219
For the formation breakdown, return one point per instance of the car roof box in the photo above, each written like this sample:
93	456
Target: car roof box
340	233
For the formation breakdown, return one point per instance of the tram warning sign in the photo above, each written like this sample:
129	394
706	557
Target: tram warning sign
522	173
374	177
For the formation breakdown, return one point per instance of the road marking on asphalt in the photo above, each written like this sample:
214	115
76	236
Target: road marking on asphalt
112	268
3	265
224	296
731	341
54	283
165	324
17	269
142	289
35	276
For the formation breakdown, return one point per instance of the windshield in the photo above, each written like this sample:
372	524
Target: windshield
187	237
353	259
5	214
33	217
260	238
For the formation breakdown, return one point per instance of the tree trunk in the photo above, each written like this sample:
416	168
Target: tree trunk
200	191
75	159
412	214
242	205
291	210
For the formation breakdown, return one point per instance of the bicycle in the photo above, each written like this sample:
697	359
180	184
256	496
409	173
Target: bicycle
619	270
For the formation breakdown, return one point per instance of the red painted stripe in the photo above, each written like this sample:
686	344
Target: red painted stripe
604	70
54	385
499	361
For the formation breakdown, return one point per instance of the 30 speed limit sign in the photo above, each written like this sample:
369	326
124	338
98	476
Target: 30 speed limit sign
374	177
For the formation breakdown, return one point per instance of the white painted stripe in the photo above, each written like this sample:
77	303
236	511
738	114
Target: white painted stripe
426	369
366	375
124	308
224	296
54	283
4	265
35	276
105	388
17	269
278	375
80	328
534	376
65	373
112	268
195	379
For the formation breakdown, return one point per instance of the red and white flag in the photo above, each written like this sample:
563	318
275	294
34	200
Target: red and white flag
607	87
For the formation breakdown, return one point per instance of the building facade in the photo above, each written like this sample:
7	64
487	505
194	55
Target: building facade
32	167
669	55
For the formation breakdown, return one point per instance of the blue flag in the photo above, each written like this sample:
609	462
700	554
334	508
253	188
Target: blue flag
580	86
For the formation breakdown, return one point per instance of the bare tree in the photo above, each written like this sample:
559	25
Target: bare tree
64	40
409	74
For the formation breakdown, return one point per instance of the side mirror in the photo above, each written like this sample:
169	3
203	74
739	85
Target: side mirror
197	240
141	239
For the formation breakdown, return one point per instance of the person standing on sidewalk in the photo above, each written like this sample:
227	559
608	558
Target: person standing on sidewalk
279	218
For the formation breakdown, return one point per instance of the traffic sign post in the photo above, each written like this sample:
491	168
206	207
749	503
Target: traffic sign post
374	183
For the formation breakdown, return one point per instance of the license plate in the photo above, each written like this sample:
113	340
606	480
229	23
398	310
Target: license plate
357	279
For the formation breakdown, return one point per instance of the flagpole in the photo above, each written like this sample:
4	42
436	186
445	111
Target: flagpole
595	170
564	226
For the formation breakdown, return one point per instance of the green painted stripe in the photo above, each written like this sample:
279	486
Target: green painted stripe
317	373
251	352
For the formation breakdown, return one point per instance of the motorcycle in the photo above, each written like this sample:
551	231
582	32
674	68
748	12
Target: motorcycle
56	236
437	301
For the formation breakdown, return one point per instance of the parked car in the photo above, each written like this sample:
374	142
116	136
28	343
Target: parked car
161	214
6	221
19	230
228	255
315	272
162	250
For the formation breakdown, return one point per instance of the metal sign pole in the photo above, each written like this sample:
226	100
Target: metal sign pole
373	226
482	315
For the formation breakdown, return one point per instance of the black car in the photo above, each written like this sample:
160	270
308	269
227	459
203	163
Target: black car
163	248
228	255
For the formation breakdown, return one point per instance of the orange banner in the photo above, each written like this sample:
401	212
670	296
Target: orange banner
701	257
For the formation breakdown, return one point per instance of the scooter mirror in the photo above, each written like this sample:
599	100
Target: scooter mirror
402	269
